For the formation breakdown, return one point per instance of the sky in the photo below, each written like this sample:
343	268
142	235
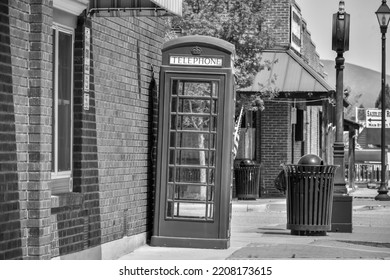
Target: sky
365	44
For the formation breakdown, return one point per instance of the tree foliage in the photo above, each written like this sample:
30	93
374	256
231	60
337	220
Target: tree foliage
353	100
378	102
238	22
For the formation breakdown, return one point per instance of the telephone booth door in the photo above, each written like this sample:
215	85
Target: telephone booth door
194	152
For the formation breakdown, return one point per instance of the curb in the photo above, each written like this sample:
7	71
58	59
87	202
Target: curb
268	207
249	208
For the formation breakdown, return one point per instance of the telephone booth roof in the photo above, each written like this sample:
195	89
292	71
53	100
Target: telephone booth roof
200	40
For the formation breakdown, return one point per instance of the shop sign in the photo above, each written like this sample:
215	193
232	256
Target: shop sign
374	118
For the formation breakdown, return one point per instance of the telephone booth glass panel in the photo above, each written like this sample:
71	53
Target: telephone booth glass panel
192	150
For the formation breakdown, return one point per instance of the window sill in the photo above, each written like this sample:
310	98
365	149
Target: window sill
66	199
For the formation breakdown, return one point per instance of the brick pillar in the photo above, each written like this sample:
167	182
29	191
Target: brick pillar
39	130
275	142
85	154
11	239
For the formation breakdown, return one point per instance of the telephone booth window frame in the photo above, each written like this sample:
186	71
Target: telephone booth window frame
203	206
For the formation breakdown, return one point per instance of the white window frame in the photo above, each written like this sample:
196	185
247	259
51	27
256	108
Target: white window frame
62	174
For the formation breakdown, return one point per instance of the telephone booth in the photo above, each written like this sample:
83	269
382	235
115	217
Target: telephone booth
195	137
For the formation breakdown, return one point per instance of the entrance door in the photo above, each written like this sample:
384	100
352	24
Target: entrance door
192	190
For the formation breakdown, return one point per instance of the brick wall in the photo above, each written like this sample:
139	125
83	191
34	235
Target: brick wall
275	143
114	141
85	157
19	25
26	88
11	238
125	49
309	53
75	217
279	23
26	85
39	129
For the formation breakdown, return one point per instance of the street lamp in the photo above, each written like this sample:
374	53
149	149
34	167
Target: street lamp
342	202
383	15
340	44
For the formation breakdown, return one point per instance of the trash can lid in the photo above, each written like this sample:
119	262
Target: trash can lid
246	162
310	159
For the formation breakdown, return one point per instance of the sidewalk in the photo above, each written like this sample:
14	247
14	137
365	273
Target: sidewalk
259	232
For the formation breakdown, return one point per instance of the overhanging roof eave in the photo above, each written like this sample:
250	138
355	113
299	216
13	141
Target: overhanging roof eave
295	94
108	8
311	71
292	74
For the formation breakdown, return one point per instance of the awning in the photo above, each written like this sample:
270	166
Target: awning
349	124
116	8
291	74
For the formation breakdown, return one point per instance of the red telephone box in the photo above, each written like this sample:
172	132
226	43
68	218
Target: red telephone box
194	157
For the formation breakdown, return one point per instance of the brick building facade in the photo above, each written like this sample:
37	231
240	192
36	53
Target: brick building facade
77	126
78	98
296	122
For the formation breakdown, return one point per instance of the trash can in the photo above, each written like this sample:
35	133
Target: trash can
247	179
309	196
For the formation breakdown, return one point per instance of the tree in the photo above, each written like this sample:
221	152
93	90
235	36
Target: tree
350	111
242	24
238	22
378	102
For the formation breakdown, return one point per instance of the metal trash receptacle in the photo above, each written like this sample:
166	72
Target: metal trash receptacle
309	198
247	179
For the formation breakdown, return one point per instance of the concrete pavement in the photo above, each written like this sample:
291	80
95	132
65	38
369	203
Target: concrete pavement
259	232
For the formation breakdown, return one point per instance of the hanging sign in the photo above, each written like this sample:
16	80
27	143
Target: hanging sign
86	101
87	63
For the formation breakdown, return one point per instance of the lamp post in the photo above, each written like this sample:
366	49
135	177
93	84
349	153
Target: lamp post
342	203
383	15
340	44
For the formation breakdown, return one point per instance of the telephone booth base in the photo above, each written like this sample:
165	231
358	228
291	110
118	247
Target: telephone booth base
186	242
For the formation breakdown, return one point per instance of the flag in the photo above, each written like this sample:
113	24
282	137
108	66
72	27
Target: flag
236	133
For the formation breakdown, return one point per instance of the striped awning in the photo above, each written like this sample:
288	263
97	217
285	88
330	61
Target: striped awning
289	73
117	8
